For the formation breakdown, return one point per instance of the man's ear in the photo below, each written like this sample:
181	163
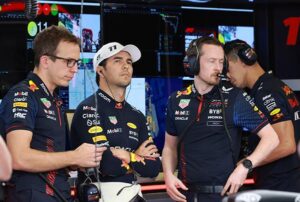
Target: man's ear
44	60
100	71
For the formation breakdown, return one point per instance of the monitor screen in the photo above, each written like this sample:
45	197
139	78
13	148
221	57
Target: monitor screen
229	33
157	33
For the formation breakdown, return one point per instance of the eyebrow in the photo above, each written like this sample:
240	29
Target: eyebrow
213	58
118	58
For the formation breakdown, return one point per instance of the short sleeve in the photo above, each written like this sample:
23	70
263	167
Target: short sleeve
273	105
18	110
247	115
170	125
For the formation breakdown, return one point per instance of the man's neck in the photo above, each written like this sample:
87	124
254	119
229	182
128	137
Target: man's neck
117	93
254	74
202	87
45	80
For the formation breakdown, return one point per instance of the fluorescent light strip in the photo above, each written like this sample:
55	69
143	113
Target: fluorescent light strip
69	3
218	9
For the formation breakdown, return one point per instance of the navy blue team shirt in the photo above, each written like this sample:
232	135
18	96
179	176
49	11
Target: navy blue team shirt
119	125
30	106
279	103
206	156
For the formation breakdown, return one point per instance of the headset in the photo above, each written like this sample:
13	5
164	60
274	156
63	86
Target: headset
244	51
192	67
191	62
88	192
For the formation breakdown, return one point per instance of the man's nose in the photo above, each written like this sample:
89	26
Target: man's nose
75	68
126	65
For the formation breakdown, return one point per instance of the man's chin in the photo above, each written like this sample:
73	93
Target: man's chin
214	83
64	84
127	83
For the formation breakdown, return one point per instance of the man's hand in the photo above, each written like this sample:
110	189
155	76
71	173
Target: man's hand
121	154
88	155
235	180
173	184
147	149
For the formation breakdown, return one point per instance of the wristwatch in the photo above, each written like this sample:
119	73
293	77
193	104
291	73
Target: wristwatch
248	164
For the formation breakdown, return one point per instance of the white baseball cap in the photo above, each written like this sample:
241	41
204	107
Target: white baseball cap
113	48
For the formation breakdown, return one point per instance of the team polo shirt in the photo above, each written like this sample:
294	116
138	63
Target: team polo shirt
114	124
30	106
279	103
206	156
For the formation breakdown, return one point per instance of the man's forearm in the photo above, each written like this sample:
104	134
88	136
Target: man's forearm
268	142
169	160
287	145
6	161
40	161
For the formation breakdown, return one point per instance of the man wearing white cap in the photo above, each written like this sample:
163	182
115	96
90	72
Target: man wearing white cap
107	119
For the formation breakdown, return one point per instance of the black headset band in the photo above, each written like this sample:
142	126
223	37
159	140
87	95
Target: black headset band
244	51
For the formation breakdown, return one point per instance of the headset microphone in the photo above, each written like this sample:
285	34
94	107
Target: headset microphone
223	77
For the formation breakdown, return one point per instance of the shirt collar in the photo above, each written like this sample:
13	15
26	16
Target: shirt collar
208	95
35	83
104	96
259	82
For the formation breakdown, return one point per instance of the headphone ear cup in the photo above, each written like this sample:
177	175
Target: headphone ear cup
191	62
191	65
195	67
88	192
247	55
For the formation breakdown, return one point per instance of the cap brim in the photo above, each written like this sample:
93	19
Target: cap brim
134	52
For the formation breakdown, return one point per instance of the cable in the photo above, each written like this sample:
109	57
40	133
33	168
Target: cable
109	89
97	121
225	122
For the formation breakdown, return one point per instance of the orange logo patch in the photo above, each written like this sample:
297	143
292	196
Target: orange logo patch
185	92
32	86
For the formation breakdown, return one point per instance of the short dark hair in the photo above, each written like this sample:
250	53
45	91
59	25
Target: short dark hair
196	45
47	40
232	48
